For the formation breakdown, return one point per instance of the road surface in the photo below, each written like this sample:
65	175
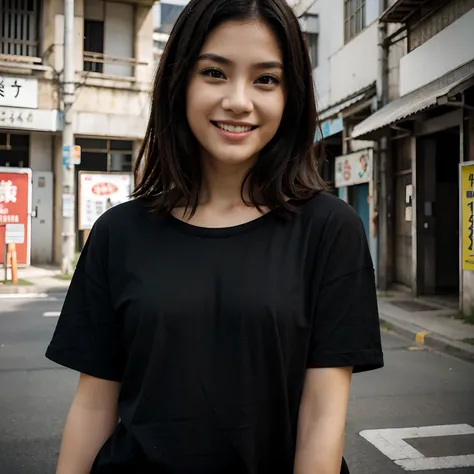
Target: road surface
417	388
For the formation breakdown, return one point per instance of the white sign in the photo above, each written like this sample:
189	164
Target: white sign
99	192
15	234
30	119
355	168
19	92
391	443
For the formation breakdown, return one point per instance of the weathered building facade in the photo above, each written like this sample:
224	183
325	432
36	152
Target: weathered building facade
113	58
429	134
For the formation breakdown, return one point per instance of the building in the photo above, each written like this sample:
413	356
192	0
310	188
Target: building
344	45
165	13
429	132
113	57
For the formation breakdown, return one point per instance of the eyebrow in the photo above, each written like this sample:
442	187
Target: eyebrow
227	62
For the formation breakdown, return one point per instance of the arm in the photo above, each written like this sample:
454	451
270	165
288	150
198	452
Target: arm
322	419
91	420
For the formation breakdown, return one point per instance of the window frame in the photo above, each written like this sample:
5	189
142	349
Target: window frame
354	18
32	46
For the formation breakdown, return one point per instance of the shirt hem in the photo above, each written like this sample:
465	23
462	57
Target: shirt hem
361	361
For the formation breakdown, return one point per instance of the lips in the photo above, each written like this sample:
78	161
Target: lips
234	128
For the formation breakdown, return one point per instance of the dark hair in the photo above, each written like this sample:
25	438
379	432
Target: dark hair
168	172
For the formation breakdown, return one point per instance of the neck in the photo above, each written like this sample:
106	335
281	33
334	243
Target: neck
222	183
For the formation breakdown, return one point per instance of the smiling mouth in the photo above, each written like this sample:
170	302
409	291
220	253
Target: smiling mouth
234	128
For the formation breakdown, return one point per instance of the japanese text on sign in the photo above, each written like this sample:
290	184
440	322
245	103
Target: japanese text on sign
19	91
8	191
15	208
15	118
467	224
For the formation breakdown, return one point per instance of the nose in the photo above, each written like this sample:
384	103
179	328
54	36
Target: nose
237	99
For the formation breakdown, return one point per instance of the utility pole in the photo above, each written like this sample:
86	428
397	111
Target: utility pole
383	165
68	181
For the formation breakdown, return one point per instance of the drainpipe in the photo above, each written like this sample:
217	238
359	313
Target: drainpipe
382	177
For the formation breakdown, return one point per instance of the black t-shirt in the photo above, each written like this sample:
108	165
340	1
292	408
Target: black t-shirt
210	331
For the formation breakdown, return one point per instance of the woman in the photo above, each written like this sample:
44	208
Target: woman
216	319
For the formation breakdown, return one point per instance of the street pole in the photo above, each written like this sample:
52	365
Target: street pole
68	181
383	165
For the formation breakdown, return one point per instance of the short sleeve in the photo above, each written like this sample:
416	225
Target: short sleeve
346	329
87	337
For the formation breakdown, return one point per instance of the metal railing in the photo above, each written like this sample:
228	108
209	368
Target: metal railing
19	28
94	62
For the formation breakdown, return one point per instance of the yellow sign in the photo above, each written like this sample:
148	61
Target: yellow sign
467	208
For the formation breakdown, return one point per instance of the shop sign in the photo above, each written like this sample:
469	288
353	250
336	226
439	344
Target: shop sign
99	192
355	168
29	119
15	206
467	214
328	128
19	92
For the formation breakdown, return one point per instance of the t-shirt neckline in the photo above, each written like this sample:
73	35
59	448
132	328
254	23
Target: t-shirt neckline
216	232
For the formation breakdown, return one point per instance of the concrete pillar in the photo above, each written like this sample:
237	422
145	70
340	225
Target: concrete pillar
41	151
143	43
57	216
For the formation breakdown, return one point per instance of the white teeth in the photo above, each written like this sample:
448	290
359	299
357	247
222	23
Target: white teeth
233	128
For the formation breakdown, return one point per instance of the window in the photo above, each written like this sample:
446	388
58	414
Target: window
313	45
354	18
109	38
108	155
309	23
14	150
19	27
93	43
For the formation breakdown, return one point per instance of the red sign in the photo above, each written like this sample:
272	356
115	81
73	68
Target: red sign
14	209
104	189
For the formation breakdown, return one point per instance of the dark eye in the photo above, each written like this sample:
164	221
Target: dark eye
214	73
268	80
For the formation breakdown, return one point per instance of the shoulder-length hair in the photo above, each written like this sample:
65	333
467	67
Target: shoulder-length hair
168	170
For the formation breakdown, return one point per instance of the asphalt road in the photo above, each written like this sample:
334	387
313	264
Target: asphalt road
417	388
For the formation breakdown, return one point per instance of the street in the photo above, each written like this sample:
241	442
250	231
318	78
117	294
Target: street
417	388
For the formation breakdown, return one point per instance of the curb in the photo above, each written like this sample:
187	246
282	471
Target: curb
31	290
18	290
426	338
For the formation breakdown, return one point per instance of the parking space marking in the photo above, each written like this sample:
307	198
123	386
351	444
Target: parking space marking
391	442
51	314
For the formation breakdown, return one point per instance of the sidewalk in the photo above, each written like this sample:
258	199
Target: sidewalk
427	323
43	280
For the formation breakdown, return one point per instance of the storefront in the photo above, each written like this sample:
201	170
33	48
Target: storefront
104	162
27	135
353	180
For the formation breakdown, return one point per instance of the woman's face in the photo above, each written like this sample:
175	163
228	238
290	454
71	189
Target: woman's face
235	96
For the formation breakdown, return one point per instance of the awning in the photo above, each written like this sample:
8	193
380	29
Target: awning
431	95
401	10
334	110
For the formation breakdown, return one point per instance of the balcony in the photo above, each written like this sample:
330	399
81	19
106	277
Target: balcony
401	11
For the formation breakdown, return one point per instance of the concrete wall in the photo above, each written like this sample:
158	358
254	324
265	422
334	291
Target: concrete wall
344	69
41	151
443	53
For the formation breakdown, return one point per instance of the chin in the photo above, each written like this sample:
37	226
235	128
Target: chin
233	157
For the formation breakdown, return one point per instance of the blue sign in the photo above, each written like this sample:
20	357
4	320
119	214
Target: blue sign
329	127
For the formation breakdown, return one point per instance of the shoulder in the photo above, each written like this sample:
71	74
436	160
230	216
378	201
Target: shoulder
327	211
123	215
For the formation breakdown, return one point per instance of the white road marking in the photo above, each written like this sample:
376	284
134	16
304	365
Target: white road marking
391	443
13	296
52	314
